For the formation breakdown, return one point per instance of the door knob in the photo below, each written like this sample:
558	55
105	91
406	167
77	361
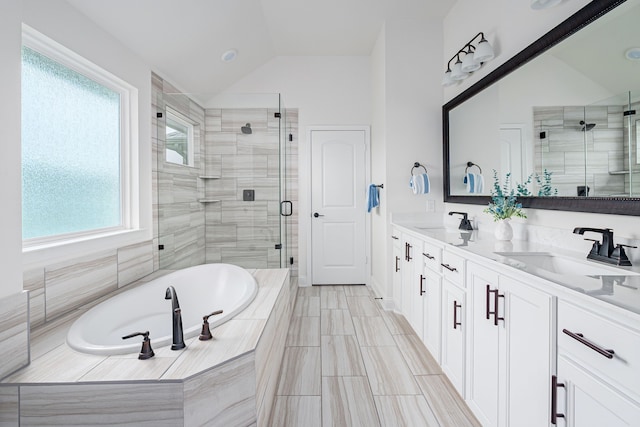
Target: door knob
316	215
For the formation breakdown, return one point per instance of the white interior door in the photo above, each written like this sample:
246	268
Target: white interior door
338	207
512	153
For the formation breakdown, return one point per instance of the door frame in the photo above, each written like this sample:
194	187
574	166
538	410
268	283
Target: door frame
367	225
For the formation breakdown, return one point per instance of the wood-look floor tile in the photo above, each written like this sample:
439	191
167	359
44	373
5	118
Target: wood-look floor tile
362	306
357	291
341	356
300	373
336	322
372	331
405	411
420	361
304	331
307	306
446	403
397	323
331	299
387	371
347	401
309	291
302	411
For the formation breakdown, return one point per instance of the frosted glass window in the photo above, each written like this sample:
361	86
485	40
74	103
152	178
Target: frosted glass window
71	180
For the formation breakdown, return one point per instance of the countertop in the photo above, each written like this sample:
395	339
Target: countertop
621	288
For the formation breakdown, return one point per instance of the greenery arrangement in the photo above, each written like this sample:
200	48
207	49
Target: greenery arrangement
544	185
504	200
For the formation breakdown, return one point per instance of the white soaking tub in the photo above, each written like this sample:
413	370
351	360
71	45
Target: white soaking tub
201	290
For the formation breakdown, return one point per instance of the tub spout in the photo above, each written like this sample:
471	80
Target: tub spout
176	314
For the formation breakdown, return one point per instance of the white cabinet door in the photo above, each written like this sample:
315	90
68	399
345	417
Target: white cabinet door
526	353
397	269
484	347
411	274
453	334
591	402
432	317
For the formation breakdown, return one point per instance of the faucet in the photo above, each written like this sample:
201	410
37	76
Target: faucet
605	251
465	223
176	312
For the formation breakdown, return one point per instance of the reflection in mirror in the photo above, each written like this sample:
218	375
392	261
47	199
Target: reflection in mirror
560	119
179	139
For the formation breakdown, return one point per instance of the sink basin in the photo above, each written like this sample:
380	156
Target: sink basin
560	264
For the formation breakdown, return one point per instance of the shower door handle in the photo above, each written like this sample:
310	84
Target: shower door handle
283	209
316	215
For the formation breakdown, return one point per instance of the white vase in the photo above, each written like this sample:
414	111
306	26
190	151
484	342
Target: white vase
503	230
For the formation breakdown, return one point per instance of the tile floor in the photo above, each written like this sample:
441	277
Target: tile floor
348	362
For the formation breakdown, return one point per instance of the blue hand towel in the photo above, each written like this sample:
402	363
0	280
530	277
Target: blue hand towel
373	197
475	183
419	184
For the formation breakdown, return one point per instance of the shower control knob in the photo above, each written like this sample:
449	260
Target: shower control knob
316	215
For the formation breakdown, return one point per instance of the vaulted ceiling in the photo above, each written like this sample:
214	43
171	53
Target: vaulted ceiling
183	40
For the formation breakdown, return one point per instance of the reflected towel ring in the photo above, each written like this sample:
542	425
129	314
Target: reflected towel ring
470	164
418	165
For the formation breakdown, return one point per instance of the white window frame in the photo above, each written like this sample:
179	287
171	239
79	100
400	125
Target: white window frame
72	244
176	116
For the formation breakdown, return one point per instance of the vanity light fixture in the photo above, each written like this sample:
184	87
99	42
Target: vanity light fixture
544	4
474	57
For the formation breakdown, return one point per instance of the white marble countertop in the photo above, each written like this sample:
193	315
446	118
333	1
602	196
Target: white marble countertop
53	362
621	288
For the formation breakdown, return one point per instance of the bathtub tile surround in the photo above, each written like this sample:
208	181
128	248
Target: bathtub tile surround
14	333
33	281
134	262
362	382
238	371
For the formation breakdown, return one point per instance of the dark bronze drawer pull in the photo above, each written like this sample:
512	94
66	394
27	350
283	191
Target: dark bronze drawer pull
580	338
394	237
397	267
448	267
455	314
422	291
428	255
554	399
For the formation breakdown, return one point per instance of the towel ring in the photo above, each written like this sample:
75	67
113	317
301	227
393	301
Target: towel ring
470	164
418	165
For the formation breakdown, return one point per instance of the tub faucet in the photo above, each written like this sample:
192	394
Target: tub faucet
176	313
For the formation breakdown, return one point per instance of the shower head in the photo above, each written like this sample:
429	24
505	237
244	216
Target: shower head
587	126
246	129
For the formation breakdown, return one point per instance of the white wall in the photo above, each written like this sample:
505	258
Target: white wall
511	26
10	170
327	90
65	25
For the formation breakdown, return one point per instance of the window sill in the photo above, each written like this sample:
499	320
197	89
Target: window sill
55	252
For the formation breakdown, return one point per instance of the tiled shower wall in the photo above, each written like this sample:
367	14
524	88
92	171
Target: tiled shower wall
562	151
222	227
632	180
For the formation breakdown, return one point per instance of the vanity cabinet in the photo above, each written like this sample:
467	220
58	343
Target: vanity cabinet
509	349
454	326
412	283
598	375
432	298
397	254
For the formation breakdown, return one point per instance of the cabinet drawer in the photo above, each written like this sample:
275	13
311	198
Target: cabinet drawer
432	256
453	268
396	239
586	338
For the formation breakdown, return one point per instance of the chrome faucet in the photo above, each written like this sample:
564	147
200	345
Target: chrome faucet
176	312
605	251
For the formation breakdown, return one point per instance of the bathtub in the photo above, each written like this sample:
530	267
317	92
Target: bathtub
201	290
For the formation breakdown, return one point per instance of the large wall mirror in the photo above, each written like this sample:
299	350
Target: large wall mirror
562	117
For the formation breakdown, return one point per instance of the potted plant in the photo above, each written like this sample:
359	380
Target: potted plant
504	205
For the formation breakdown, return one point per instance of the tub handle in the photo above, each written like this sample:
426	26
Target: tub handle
146	352
206	332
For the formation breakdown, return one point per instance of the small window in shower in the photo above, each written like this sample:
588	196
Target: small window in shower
179	139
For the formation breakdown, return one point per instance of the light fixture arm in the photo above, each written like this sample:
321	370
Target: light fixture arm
468	45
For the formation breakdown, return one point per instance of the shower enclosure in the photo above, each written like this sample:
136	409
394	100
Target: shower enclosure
592	150
225	179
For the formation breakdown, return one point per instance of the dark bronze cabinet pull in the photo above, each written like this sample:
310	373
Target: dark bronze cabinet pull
409	258
488	311
554	399
422	291
397	267
448	267
496	296
394	237
428	255
455	314
580	338
406	251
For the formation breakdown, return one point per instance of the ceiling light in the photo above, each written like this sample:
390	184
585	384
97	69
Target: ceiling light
633	54
229	55
543	4
474	57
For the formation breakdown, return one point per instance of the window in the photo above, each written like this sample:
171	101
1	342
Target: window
179	138
75	145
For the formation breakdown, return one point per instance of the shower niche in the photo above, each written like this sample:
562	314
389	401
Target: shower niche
201	211
590	151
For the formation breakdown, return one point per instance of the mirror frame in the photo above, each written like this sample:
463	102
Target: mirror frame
573	24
